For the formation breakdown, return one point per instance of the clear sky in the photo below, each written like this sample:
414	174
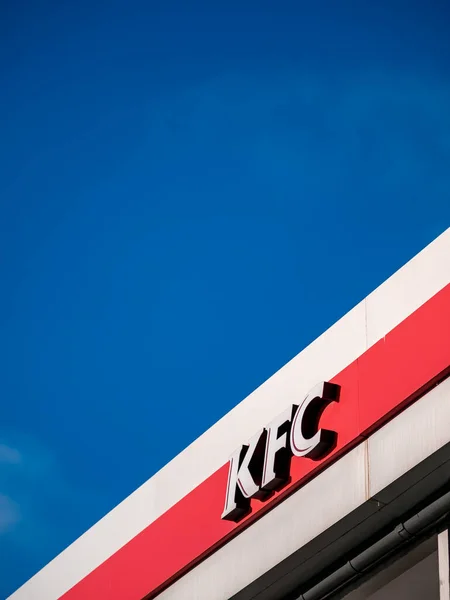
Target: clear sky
190	193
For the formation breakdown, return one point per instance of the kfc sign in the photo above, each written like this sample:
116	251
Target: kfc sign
262	466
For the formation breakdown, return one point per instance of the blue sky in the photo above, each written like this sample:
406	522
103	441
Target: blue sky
190	193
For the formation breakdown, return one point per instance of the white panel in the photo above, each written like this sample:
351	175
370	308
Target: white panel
410	438
410	287
303	516
324	358
444	564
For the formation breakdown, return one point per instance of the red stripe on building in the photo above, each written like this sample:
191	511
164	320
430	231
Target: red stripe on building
386	378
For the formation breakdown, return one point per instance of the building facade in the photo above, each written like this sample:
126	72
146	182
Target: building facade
331	480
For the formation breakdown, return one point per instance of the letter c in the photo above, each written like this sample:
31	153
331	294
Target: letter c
306	439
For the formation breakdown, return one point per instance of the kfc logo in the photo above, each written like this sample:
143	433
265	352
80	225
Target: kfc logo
262	466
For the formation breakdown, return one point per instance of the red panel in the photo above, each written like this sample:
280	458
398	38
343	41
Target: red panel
158	552
393	371
374	388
